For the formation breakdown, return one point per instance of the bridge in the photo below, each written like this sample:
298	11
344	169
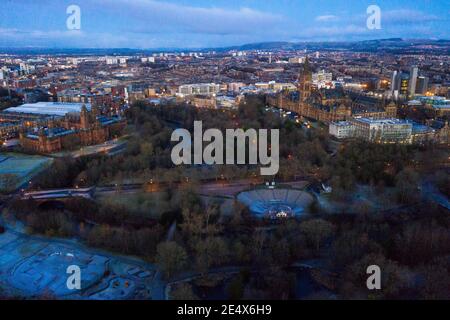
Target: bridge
59	194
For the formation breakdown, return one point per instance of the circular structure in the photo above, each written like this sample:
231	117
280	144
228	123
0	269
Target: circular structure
276	203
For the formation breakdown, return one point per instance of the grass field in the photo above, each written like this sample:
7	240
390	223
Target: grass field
23	166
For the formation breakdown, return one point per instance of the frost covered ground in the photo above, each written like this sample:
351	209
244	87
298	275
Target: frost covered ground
35	267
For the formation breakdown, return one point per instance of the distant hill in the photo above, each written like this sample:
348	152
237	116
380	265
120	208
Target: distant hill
386	45
392	45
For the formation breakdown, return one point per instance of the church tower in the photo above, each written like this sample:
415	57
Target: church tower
84	117
304	84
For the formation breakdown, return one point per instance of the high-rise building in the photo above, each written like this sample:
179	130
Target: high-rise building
413	74
395	82
422	85
404	84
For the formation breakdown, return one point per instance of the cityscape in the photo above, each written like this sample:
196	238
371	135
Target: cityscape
182	160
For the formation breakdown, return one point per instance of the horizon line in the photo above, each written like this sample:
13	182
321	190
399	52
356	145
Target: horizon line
216	47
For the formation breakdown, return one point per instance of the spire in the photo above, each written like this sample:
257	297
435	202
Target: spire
305	73
306	66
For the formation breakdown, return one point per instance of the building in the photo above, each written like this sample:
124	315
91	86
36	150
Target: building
235	86
408	84
297	60
422	134
440	106
404	84
200	88
100	98
329	105
201	101
374	130
342	129
283	86
9	129
305	83
395	84
32	115
55	109
383	130
87	128
322	76
226	102
399	84
413	74
46	127
422	85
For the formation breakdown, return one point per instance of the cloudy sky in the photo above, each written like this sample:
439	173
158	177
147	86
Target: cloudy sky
213	23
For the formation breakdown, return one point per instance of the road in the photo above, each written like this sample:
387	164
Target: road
221	188
431	192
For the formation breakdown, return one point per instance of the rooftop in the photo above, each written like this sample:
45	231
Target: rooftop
51	132
341	123
49	108
420	128
382	121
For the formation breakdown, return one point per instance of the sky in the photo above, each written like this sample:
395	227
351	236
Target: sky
148	24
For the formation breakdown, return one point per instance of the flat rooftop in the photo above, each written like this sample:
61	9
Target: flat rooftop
382	121
49	108
342	123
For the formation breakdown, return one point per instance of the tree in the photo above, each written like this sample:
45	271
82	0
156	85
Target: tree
235	289
406	184
316	231
8	182
437	280
351	245
362	207
211	252
171	257
183	291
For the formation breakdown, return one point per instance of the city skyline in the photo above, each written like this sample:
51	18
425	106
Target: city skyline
148	24
225	150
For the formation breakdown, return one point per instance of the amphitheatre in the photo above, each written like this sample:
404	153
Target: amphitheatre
274	203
